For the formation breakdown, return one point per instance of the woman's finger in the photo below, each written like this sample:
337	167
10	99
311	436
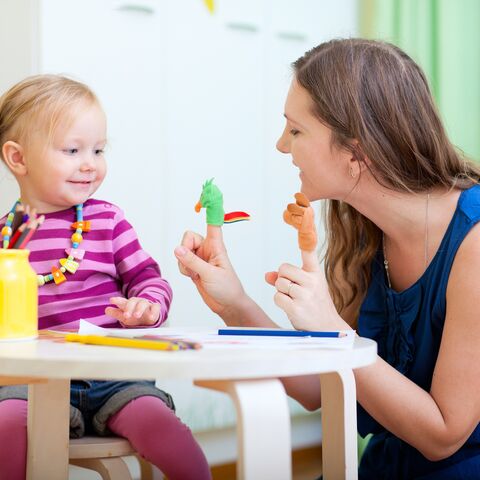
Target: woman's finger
191	240
310	261
283	301
284	285
214	232
271	278
190	261
294	273
186	271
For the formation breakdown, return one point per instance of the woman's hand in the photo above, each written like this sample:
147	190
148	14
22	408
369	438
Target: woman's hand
134	312
206	262
302	293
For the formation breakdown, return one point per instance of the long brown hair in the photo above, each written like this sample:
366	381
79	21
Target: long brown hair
373	93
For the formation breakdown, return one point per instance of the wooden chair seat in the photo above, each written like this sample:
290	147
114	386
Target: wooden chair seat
104	455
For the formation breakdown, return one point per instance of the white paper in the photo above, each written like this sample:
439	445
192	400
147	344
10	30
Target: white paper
211	340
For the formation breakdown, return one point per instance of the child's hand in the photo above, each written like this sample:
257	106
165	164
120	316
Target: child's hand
134	312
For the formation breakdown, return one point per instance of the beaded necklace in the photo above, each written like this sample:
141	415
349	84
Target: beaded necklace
7	229
74	254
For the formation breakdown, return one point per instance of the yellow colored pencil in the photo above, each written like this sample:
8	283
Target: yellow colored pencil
122	342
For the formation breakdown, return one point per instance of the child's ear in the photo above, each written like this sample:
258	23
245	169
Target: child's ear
12	153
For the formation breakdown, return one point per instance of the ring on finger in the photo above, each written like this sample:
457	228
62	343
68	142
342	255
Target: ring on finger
290	285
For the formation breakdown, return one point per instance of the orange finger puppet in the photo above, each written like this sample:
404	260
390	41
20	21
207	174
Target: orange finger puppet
301	216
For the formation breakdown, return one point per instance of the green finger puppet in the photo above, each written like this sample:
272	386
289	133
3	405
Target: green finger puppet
212	200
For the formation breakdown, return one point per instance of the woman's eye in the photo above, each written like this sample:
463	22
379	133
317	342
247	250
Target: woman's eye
71	151
294	132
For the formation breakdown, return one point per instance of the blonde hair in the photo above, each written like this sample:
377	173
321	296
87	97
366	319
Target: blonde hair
373	93
39	104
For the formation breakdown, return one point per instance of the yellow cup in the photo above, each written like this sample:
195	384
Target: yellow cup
18	296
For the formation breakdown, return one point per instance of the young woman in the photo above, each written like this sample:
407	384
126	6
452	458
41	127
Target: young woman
402	263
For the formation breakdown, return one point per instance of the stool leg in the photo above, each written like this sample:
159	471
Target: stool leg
146	469
108	468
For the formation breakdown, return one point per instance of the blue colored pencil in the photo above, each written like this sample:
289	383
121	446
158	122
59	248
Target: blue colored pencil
278	332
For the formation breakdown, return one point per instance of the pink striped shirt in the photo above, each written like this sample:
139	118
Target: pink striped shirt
114	265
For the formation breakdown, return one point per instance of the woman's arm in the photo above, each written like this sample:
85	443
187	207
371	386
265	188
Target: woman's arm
206	262
436	423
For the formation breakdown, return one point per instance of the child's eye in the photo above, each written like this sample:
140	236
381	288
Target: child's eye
294	132
71	151
99	151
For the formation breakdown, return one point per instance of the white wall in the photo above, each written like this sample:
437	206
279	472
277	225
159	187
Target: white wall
188	96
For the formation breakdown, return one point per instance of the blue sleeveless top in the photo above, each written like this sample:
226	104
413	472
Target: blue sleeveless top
407	327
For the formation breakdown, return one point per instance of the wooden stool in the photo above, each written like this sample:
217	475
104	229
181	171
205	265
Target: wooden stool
103	454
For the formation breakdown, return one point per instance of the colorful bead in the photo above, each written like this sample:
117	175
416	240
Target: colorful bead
76	253
77	238
83	226
69	265
6	231
8	225
58	276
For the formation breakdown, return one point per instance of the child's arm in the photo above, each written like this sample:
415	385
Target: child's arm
147	296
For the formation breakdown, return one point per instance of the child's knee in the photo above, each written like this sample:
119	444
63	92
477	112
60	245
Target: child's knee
13	417
142	415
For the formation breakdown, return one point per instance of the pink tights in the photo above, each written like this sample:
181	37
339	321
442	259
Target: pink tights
152	428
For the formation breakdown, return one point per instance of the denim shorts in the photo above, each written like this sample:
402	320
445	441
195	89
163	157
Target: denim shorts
93	402
98	400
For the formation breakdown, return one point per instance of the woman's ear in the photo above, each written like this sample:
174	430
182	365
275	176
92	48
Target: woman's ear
358	162
13	155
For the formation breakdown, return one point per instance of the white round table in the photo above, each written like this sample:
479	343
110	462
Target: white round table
249	375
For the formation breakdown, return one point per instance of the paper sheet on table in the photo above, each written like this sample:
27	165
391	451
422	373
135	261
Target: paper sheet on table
211	340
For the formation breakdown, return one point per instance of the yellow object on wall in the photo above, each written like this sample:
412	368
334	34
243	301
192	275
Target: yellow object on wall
210	5
18	296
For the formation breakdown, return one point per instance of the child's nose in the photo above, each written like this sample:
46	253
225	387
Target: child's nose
88	163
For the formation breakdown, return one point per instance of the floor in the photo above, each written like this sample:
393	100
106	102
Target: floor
306	465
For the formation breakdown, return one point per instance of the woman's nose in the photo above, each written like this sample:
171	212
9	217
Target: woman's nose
283	144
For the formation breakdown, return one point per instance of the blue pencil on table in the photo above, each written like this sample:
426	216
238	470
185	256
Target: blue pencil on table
277	332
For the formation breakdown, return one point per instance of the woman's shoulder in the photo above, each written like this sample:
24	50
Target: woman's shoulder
469	202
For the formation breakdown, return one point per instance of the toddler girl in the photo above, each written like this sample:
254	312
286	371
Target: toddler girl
52	139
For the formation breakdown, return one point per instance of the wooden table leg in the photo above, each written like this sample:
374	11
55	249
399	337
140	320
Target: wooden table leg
263	427
339	426
48	430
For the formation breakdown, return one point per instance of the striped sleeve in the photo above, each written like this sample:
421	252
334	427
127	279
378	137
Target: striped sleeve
139	274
